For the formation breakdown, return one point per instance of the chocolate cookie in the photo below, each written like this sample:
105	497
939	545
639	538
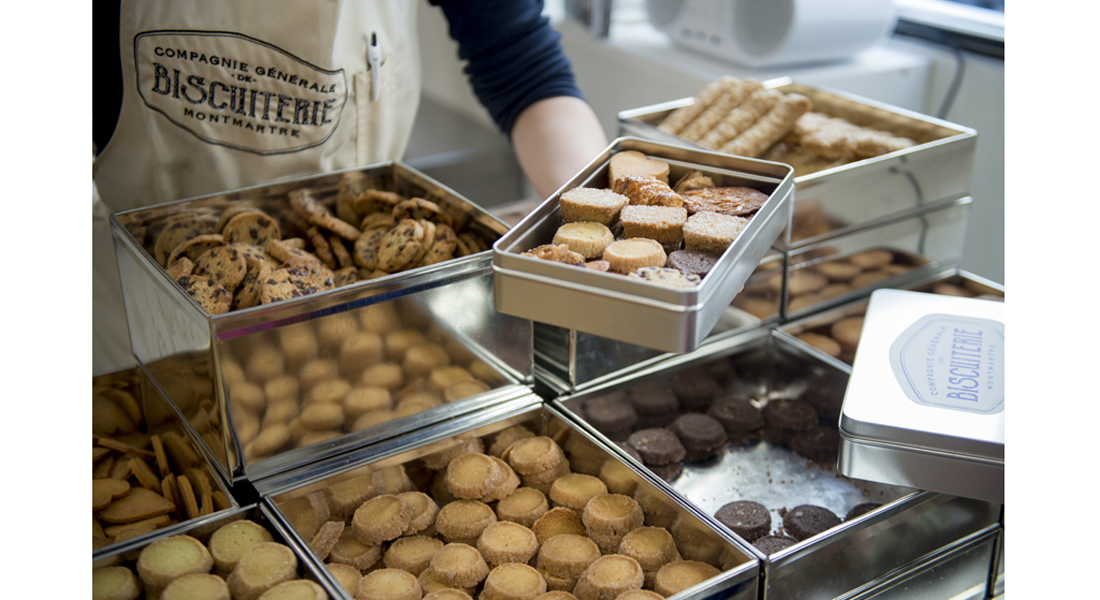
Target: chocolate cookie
657	446
399	245
784	418
861	509
743	421
748	519
820	443
251	227
655	406
770	544
805	521
695	389
208	293
224	264
667	472
702	435
612	416
693	262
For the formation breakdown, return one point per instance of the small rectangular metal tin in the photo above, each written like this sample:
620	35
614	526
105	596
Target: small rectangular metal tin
631	310
848	196
194	356
925	404
739	577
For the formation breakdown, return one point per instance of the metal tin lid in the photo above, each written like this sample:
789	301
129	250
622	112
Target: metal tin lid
925	402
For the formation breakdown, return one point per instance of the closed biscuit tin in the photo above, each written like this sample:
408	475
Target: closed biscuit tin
318	375
834	199
665	318
925	404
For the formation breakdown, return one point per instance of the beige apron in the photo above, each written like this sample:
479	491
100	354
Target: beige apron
223	94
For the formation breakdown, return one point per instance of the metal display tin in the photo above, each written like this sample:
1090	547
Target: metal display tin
925	403
570	361
126	554
631	310
305	499
132	393
951	282
839	199
249	361
907	532
889	254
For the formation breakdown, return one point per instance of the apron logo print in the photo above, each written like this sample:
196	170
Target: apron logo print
232	90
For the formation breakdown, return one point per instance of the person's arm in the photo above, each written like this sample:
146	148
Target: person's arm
554	139
521	75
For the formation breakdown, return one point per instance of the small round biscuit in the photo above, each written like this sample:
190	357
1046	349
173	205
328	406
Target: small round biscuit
847	332
346	575
472	476
459	565
464	519
534	455
557	521
350	551
115	583
567	555
680	575
261	568
523	506
399	244
823	343
297	589
388	584
197	586
381	519
871	259
513	581
252	227
507	542
609	576
574	490
424	511
167	559
231	541
652	547
412	553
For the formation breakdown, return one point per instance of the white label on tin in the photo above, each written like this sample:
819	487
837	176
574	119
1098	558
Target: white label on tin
954	362
232	90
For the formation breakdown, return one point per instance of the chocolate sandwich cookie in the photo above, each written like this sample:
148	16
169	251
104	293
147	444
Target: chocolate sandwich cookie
657	446
695	389
612	416
702	435
655	406
820	443
860	510
743	421
748	519
784	418
693	262
770	544
805	521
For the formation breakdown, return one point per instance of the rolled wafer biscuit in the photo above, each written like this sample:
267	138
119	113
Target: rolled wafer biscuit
625	256
755	106
587	238
681	117
713	115
770	128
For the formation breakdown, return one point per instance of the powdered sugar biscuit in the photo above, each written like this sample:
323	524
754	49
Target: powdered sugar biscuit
251	227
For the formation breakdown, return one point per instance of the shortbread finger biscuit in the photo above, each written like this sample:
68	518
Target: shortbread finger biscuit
587	238
523	506
412	553
507	542
710	118
534	454
229	542
591	204
115	583
381	519
676	120
575	490
713	232
169	558
662	223
567	555
350	551
252	227
388	584
755	105
624	256
464	519
609	576
459	565
770	128
632	162
557	521
197	586
513	581
261	568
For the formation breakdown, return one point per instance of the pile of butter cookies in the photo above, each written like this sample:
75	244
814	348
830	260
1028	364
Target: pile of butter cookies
744	118
141	481
644	228
241	255
240	560
510	516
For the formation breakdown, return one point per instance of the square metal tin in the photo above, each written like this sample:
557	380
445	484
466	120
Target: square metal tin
631	310
925	403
